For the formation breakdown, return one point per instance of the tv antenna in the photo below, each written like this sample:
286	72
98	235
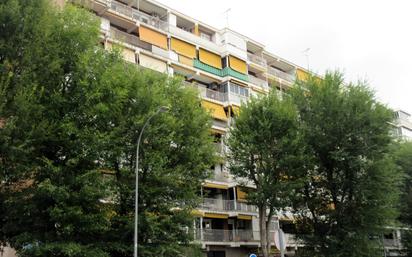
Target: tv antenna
306	53
227	16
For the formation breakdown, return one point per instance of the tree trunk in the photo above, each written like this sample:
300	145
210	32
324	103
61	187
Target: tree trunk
269	219
263	231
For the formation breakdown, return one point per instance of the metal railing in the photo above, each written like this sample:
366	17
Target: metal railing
210	94
138	15
257	81
222	235
240	235
256	59
217	204
227	205
281	74
245	207
393	243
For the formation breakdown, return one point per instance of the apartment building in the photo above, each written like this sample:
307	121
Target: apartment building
403	125
226	68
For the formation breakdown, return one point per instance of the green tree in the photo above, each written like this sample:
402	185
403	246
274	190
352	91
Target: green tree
403	158
71	115
265	150
352	183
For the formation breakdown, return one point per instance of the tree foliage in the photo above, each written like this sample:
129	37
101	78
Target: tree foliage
403	158
351	190
265	149
71	114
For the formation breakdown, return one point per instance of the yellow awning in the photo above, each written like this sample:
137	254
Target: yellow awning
216	216
237	64
185	60
214	185
217	131
197	213
301	74
216	110
244	217
196	31
183	48
241	195
153	37
210	58
236	110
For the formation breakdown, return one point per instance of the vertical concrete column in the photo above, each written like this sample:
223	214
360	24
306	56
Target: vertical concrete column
234	198
196	31
201	228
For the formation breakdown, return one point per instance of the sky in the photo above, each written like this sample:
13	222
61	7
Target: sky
366	39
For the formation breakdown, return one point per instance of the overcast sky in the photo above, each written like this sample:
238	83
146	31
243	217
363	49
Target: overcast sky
367	39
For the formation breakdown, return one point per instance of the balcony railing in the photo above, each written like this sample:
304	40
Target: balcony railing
238	99
281	74
222	235
226	205
244	207
212	94
256	59
208	93
137	15
217	204
259	82
239	235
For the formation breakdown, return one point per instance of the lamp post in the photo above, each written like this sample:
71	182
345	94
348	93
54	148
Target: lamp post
160	110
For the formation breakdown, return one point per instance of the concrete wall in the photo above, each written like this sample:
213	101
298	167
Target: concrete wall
8	252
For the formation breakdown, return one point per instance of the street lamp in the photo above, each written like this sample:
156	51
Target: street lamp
160	110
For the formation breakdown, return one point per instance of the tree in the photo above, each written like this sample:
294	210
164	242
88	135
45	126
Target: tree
71	115
403	158
265	149
352	184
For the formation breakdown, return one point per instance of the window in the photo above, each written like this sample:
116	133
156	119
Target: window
239	90
205	36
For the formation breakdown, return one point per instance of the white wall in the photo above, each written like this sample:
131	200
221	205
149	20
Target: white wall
234	44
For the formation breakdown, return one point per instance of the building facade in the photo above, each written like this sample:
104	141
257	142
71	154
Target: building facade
226	68
403	125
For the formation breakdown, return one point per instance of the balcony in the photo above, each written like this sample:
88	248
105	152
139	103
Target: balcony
207	93
137	15
241	236
258	82
256	59
227	71
202	66
281	74
221	235
237	99
129	39
194	39
226	206
217	205
212	94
